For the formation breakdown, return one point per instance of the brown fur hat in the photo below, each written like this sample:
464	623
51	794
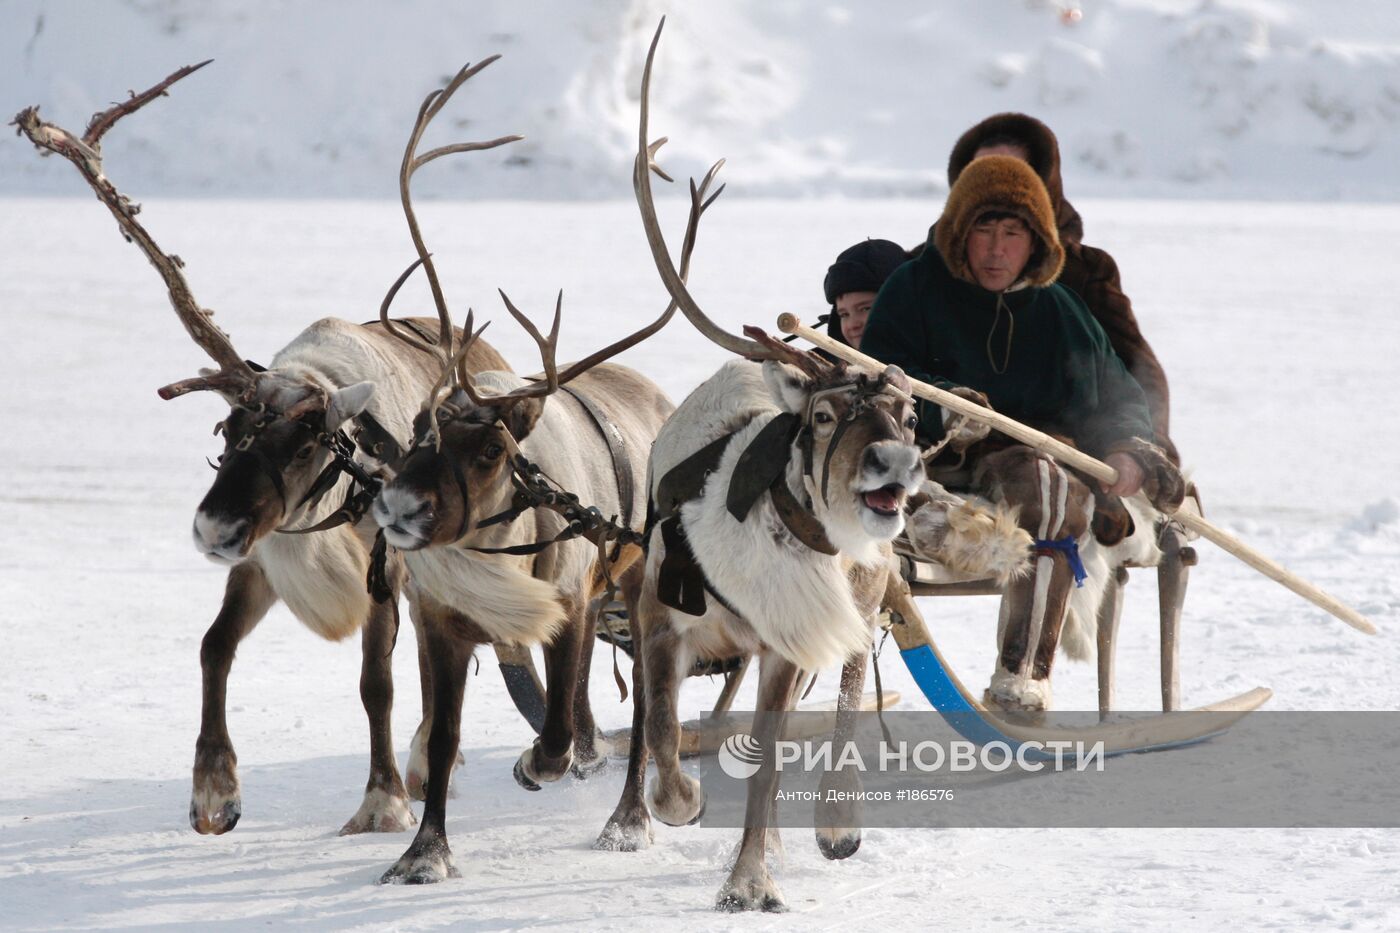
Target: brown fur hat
1044	151
1006	184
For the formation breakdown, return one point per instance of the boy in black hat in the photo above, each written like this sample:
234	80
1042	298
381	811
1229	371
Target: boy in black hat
852	283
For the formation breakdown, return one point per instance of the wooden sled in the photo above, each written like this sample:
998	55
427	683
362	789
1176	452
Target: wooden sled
947	693
976	722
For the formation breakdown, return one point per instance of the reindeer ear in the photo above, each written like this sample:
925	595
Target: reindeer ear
788	385
348	402
520	421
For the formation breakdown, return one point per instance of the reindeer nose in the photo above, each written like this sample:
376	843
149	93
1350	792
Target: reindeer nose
213	535
393	508
875	460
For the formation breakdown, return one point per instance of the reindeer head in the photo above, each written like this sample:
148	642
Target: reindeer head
856	442
275	450
458	471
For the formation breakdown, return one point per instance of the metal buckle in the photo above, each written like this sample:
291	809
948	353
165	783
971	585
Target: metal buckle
244	442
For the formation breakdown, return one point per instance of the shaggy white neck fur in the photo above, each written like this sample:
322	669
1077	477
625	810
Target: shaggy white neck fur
797	600
510	605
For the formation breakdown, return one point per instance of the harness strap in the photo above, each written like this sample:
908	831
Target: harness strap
686	480
617	450
762	464
377	579
374	439
571	531
682	583
321	485
358	500
801	522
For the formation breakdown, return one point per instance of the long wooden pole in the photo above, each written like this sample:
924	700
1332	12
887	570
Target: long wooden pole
790	324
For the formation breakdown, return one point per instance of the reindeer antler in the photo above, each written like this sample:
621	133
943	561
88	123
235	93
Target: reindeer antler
412	162
86	155
814	365
641	183
453	360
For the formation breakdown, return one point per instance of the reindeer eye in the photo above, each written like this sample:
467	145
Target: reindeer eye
492	451
306	452
911	422
822	417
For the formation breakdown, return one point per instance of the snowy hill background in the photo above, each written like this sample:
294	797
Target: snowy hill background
1160	98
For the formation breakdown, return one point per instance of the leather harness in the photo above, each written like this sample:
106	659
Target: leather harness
761	467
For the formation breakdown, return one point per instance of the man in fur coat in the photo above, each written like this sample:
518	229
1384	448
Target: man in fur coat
979	314
1089	272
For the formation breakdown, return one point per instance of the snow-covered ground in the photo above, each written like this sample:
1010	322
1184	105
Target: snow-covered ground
1175	98
1274	321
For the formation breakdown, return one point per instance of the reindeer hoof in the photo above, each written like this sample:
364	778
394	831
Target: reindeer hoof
682	805
425	864
583	769
619	836
757	894
214	818
215	801
533	768
520	777
838	844
381	812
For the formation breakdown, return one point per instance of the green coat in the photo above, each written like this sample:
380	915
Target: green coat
1060	375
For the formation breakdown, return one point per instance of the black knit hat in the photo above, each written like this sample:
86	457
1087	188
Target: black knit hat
863	268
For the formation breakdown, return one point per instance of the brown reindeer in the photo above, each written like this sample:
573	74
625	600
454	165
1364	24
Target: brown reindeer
519	503
289	466
777	490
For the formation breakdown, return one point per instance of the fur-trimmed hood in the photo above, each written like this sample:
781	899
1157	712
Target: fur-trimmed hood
1044	150
999	183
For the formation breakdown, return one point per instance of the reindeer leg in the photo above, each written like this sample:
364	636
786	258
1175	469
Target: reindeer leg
416	776
429	859
550	756
838	823
590	750
750	885
629	827
385	808
675	798
215	804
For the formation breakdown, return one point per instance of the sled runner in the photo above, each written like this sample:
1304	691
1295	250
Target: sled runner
947	694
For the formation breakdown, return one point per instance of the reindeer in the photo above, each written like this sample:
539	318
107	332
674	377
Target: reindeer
487	512
776	489
287	466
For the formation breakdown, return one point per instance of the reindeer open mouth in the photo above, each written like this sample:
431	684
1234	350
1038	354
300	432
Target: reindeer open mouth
887	500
